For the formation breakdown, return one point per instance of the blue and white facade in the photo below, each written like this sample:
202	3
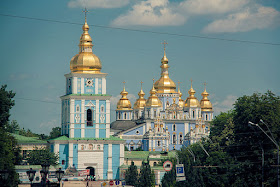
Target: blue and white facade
85	118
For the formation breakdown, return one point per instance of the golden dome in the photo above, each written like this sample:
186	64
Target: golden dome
192	101
153	100
165	84
141	101
205	103
85	61
181	101
124	103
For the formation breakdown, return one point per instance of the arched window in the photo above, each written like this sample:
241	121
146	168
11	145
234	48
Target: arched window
82	147
174	127
206	117
125	115
174	139
193	113
102	108
181	139
148	113
155	113
155	163
89	117
77	108
158	143
119	115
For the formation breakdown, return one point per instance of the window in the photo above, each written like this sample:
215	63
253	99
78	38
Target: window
174	138
102	108
148	113
193	114
63	162
89	117
125	115
137	132
155	163
181	138
158	143
77	108
82	147
136	114
119	115
206	117
174	127
155	113
98	147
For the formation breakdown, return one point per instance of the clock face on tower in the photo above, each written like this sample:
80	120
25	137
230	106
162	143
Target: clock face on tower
89	82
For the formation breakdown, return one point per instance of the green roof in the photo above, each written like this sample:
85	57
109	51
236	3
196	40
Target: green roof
144	154
25	139
66	138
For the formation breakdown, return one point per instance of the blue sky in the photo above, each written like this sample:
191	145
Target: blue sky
35	54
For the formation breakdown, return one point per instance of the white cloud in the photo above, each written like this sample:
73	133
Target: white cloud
224	105
256	17
98	3
151	13
203	7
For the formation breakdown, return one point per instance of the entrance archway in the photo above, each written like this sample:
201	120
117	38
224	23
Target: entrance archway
91	172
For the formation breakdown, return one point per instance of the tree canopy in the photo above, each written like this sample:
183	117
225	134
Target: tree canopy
42	156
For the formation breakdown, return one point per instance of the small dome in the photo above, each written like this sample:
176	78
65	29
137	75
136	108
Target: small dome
153	100
85	61
205	103
141	101
165	84
124	103
181	101
192	101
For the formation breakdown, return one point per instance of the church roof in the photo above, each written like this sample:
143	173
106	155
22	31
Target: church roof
122	125
24	139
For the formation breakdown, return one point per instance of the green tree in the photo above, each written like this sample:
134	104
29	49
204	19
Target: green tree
147	176
56	132
131	175
42	156
12	127
8	144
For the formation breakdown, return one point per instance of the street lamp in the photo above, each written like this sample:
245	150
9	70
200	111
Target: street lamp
275	143
44	173
59	173
31	174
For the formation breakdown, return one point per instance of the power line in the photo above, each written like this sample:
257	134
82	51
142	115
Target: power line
146	31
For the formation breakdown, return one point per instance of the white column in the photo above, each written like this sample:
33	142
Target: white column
121	154
82	85
56	148
97	119
72	116
70	154
82	118
150	145
74	85
110	171
96	85
103	85
154	144
107	118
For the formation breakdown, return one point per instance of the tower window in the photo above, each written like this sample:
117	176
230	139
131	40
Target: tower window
206	117
102	108
155	113
77	108
124	115
193	114
174	127
119	115
89	117
158	143
174	138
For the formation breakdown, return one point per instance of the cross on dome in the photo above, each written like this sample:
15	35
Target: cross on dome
85	11
164	46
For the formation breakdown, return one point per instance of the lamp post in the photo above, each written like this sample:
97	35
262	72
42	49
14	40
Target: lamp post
44	173
31	174
59	173
275	143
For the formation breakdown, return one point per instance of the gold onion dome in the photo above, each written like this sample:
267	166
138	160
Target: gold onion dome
153	100
165	84
192	100
205	103
124	103
85	61
141	101
181	101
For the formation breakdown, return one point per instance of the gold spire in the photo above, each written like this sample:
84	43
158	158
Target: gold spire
205	103
141	101
153	100
85	61
165	84
181	101
124	103
192	101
